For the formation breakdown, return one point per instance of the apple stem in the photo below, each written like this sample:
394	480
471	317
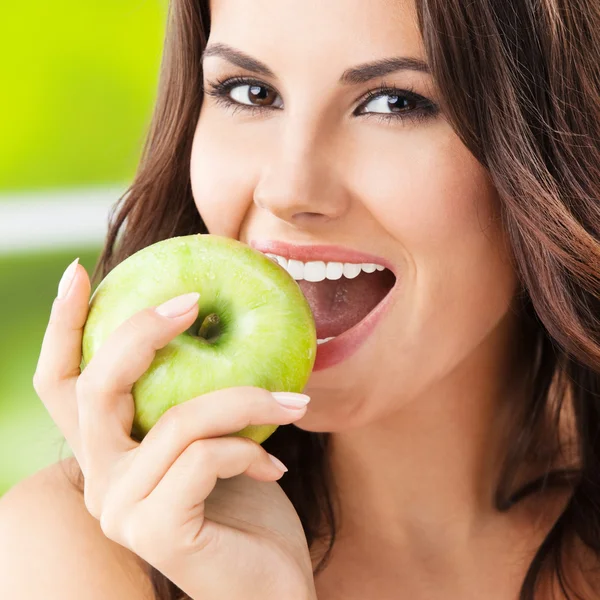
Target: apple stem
210	321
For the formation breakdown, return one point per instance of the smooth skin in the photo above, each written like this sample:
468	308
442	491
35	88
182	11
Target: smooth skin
418	414
149	497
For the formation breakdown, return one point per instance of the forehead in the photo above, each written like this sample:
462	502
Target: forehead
314	31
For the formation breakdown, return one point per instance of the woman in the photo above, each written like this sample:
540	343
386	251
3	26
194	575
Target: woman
450	448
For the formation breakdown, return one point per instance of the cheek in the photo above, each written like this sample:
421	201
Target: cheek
443	212
221	177
430	194
456	241
442	209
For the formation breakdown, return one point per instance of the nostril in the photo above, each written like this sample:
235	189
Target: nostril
310	217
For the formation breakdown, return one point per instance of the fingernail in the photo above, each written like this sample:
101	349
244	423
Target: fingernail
178	306
278	463
67	279
291	400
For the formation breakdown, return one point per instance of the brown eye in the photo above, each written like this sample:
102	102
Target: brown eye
392	103
255	95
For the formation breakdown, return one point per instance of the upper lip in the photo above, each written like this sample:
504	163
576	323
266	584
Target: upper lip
315	252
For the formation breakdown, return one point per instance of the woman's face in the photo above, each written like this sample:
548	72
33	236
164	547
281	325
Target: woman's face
304	158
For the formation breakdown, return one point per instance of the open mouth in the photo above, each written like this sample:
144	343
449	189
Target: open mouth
339	305
340	295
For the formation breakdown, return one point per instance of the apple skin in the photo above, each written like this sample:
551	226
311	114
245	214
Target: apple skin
268	337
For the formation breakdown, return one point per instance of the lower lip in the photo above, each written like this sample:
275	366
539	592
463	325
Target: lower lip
344	345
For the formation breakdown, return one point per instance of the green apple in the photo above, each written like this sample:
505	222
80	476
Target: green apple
254	325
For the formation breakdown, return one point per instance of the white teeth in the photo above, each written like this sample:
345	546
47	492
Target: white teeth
351	270
325	340
282	261
314	271
334	270
273	257
319	270
296	269
368	267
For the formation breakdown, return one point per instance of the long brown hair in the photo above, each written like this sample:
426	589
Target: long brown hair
520	84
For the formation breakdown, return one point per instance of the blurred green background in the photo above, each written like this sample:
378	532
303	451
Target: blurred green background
79	82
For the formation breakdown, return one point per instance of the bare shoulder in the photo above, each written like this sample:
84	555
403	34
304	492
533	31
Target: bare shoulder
51	547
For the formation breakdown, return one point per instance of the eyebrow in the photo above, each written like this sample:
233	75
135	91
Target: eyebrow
355	75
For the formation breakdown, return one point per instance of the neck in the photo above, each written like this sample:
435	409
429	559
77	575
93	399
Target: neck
424	478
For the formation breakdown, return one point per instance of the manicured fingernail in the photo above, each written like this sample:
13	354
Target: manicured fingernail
291	400
67	279
178	306
278	464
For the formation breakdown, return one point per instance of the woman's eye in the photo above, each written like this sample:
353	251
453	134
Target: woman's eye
390	104
385	103
254	95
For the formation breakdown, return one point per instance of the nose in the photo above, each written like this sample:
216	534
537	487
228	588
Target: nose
300	183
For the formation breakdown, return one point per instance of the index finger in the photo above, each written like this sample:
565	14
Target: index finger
59	360
104	399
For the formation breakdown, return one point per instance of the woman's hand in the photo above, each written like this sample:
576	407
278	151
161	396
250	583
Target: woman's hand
178	499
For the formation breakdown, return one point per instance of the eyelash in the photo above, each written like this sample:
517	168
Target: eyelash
426	109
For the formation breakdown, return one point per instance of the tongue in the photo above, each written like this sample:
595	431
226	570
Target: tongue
339	305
